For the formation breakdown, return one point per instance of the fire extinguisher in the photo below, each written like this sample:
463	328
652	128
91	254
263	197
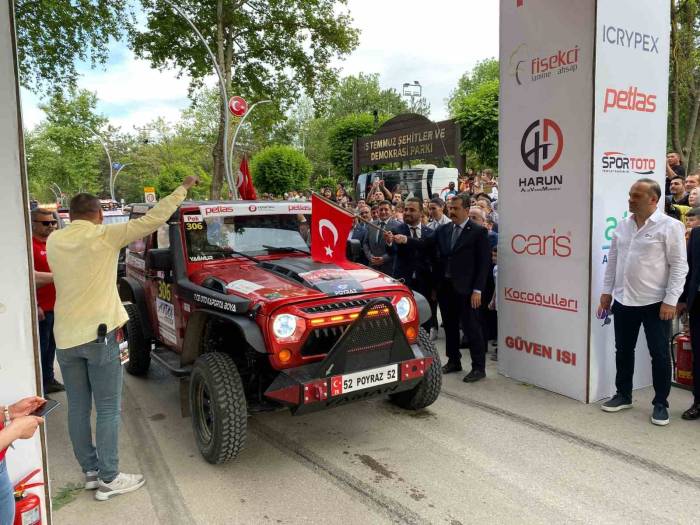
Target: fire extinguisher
27	506
682	359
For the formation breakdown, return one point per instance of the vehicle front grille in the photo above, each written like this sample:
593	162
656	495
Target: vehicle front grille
344	305
321	340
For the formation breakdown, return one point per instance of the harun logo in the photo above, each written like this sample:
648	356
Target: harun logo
541	147
525	67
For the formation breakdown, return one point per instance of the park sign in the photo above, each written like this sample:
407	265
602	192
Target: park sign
409	137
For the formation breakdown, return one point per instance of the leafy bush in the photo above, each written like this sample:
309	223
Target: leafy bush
278	169
341	138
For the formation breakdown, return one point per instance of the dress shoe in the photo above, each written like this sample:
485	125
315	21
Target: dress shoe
474	376
53	386
451	366
692	413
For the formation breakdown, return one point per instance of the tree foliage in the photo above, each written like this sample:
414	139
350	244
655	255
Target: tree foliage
340	140
53	34
684	84
477	113
279	169
484	71
363	94
265	48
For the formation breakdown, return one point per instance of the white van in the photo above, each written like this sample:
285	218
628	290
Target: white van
422	181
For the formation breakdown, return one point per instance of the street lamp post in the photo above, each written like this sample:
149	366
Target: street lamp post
412	90
114	180
234	188
222	85
109	157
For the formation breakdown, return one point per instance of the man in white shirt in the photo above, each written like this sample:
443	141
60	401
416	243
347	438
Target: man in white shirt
645	275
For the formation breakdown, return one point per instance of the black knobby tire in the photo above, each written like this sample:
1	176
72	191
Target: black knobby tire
428	390
218	407
139	347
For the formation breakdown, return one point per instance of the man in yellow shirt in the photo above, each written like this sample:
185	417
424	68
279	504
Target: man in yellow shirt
83	259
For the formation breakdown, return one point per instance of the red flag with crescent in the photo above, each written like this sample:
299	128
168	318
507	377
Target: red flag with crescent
330	229
245	182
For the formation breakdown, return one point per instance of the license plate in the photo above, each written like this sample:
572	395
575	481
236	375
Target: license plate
365	379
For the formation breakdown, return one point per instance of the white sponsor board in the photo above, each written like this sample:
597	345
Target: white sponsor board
166	320
544	191
631	104
234	209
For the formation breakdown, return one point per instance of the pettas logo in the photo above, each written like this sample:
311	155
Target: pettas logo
549	245
618	36
541	145
543	299
526	68
299	207
630	99
216	210
617	162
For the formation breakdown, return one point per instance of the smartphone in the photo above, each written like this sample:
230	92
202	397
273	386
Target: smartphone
46	408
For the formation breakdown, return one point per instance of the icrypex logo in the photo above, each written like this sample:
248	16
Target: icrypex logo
543	299
618	162
526	68
630	99
619	36
548	245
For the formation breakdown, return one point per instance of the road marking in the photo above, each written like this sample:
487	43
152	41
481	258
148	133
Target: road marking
167	500
395	510
591	444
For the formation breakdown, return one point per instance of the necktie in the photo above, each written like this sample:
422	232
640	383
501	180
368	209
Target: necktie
414	234
455	235
380	232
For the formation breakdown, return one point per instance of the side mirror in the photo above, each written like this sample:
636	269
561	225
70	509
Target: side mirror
353	250
159	260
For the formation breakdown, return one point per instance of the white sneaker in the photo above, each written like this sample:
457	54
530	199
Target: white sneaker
433	334
91	480
122	484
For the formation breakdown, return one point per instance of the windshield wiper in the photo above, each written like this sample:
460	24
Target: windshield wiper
227	250
284	249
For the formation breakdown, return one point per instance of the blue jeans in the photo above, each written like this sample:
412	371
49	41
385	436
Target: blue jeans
48	348
7	499
93	370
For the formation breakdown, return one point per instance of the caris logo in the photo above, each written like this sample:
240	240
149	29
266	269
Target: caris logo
526	68
617	162
547	245
630	99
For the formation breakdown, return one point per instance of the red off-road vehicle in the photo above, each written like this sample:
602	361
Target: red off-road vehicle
227	298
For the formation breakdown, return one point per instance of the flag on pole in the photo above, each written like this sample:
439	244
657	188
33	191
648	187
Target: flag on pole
330	229
246	190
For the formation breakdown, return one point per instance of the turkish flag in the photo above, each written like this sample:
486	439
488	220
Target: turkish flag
245	182
330	228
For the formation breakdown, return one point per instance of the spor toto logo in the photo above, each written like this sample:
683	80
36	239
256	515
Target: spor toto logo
617	162
541	145
547	245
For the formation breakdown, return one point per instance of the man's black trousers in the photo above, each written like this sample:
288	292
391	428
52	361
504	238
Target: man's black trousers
455	307
694	317
627	320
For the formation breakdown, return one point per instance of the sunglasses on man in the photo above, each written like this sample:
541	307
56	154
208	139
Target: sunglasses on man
47	223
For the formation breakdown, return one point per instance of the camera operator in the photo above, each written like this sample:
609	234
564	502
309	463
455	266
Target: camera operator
83	259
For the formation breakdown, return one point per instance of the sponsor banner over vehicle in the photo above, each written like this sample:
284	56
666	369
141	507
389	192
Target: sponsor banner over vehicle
234	209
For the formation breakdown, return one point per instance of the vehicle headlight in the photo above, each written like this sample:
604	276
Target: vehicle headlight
284	325
403	308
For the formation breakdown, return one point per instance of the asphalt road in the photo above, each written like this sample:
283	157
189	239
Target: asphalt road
496	452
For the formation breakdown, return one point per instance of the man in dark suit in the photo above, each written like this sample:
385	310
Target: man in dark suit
360	230
374	244
410	243
690	301
461	268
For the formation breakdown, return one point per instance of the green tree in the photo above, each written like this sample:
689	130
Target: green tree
477	113
340	140
684	83
484	71
279	169
363	94
276	48
53	35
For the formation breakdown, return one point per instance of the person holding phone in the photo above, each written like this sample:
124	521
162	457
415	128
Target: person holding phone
16	423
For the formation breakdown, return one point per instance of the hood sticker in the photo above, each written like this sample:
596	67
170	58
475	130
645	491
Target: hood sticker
243	286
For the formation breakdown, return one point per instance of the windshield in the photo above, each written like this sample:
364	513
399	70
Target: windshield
218	237
113	219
